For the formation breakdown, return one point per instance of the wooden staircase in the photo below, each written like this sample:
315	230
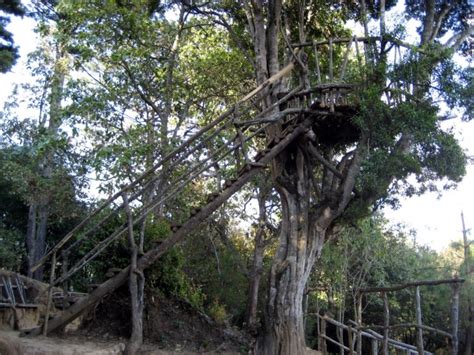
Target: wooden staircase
323	92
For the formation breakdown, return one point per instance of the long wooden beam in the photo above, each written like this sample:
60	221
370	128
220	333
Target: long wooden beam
282	73
358	39
410	284
410	325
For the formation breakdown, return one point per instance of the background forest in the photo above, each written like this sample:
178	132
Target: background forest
118	85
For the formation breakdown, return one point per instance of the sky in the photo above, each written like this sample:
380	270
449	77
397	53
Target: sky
436	220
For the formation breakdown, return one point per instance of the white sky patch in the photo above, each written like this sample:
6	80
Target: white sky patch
26	40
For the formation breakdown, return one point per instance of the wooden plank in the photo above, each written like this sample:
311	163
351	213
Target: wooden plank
8	289
394	343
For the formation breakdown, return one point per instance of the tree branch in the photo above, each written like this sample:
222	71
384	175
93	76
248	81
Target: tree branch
456	40
315	153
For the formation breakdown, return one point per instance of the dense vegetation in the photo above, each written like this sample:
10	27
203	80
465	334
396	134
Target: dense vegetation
118	85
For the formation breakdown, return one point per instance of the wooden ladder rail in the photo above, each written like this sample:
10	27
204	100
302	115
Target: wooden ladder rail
145	210
151	256
260	88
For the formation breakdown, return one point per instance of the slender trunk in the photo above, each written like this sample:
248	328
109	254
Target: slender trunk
40	240
470	303
255	276
47	163
455	319
136	286
30	237
257	266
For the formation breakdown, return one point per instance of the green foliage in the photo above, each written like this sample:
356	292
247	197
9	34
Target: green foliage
8	51
12	251
168	276
218	312
220	276
368	254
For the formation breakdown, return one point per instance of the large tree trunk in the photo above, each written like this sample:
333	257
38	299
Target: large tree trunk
255	276
301	239
257	264
40	241
30	237
39	213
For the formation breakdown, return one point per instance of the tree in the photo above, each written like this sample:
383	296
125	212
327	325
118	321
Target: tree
8	51
141	94
392	141
325	179
51	170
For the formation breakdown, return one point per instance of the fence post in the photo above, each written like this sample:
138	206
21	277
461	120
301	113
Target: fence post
386	317
359	323
419	331
455	318
50	294
350	339
322	339
375	347
65	265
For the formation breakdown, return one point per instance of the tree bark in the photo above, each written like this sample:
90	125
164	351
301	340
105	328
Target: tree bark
46	164
30	237
257	265
136	286
151	256
300	244
40	240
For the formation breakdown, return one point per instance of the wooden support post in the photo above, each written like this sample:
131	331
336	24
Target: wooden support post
331	70
318	325
375	347
340	330
350	340
470	301
136	285
359	58
419	330
386	317
50	295
346	59
455	319
65	286
316	58
322	338
359	324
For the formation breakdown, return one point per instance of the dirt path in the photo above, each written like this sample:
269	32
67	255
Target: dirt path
12	344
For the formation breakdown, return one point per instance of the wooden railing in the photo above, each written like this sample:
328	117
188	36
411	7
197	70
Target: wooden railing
382	343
